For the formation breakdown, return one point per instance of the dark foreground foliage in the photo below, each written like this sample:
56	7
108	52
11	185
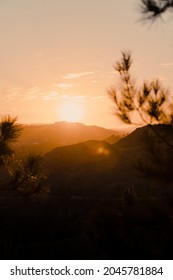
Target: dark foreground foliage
101	206
73	228
153	9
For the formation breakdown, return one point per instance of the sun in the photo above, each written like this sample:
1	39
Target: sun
71	111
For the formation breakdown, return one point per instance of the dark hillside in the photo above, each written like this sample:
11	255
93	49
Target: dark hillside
115	138
140	137
98	167
100	206
85	168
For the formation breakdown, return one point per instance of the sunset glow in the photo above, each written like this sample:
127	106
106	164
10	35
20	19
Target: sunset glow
51	51
71	112
86	138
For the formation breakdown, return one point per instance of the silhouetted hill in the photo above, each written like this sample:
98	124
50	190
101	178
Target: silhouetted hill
139	138
43	138
92	149
87	214
114	138
97	167
88	166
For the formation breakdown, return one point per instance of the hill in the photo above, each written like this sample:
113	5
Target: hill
116	137
101	168
82	167
141	137
43	138
91	168
89	212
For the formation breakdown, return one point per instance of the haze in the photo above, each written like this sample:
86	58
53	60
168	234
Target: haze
59	52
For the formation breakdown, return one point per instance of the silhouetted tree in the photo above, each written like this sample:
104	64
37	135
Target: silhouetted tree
9	132
27	175
152	9
150	103
157	161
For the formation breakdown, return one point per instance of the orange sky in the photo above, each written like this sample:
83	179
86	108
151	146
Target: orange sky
54	52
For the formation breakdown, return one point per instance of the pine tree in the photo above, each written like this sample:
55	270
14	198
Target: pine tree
9	133
148	105
153	9
28	176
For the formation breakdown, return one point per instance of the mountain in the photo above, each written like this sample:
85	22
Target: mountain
91	168
43	138
141	137
88	167
99	206
115	138
99	168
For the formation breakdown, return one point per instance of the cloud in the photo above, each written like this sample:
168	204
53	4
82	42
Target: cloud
29	94
12	93
160	77
114	72
77	75
168	64
64	85
99	98
76	97
16	92
50	95
32	93
79	97
167	76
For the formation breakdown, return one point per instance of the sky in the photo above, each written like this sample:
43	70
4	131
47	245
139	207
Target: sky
55	54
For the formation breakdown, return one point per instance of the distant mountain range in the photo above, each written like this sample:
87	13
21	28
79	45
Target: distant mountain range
43	138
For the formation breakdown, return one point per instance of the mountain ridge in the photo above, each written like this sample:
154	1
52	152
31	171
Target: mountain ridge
99	165
45	137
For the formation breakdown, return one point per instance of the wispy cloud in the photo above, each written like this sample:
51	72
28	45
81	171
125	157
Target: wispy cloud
12	93
160	77
32	93
168	64
64	85
79	97
36	93
74	97
114	72
167	76
99	98
78	75
51	95
29	94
